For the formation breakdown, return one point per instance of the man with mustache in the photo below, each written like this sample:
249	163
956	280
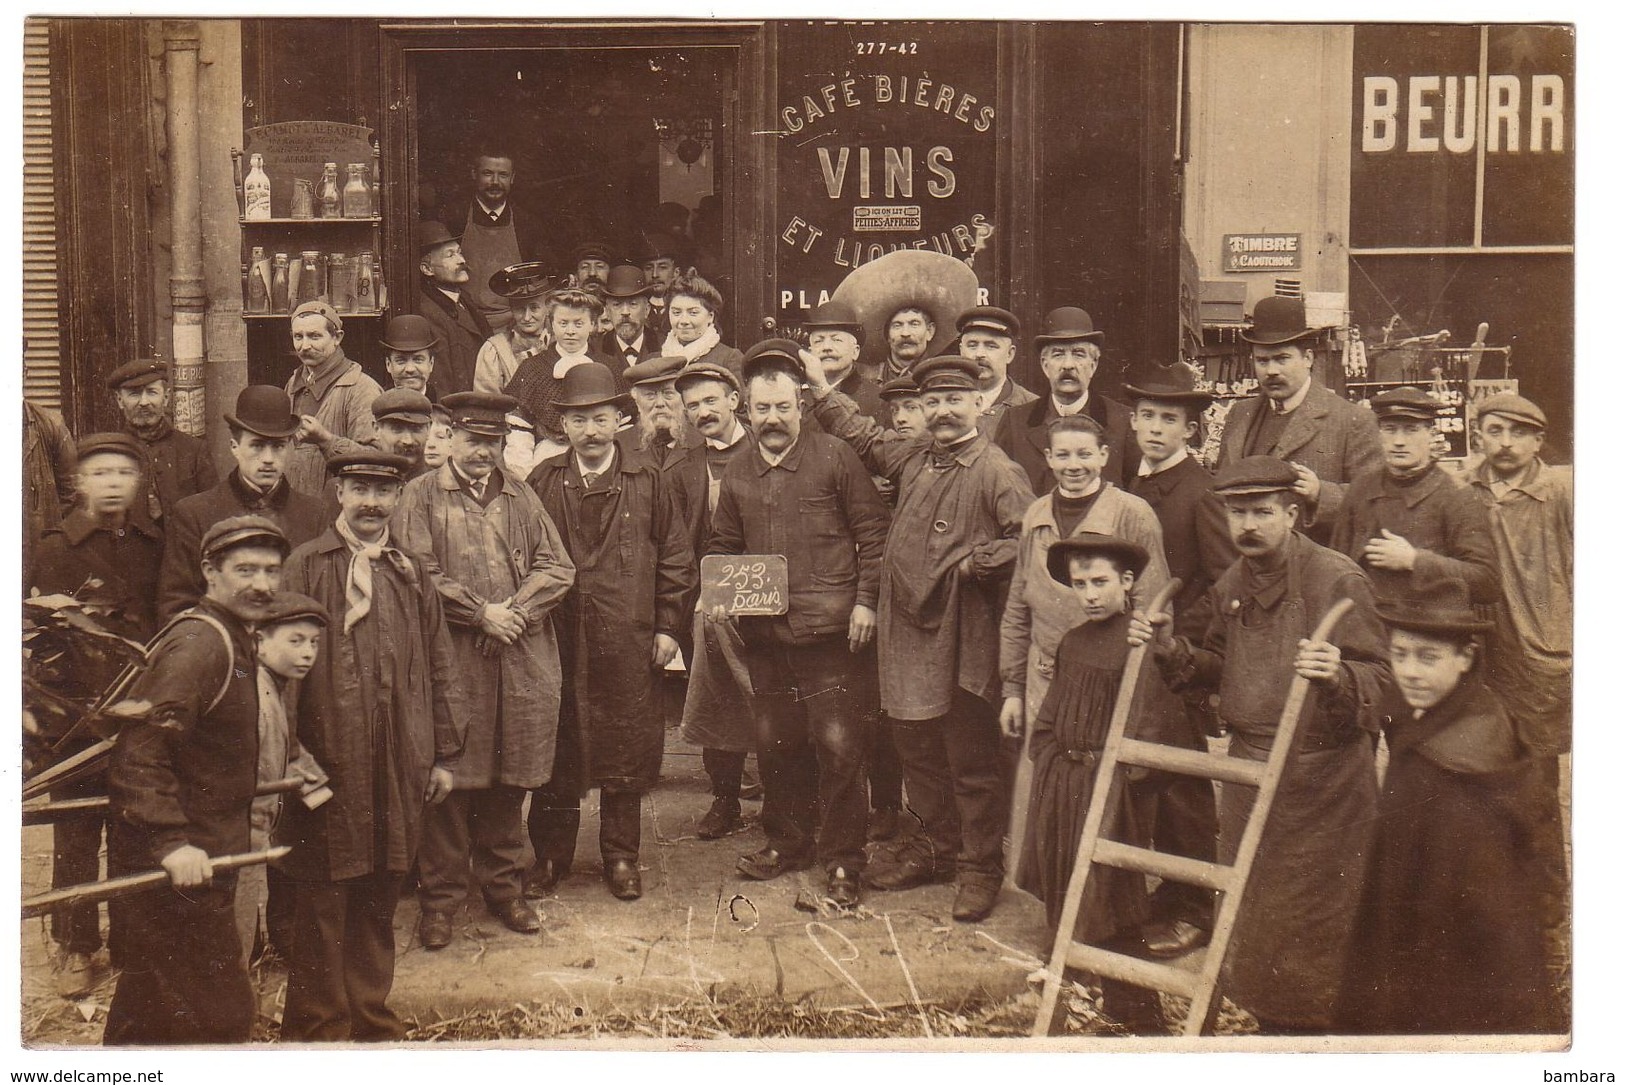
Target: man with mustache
402	418
1069	354
409	343
261	429
835	337
330	394
590	263
663	254
443	299
387	661
988	336
178	464
662	426
953	542
635	334
1293	931
909	332
1328	440
496	231
181	779
497	559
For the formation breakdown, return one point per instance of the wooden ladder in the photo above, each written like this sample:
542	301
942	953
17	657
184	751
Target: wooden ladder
1195	976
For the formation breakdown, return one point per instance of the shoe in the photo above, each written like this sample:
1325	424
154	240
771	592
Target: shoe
912	868
75	975
769	863
749	786
884	824
434	930
842	888
543	878
975	899
517	915
1173	938
623	878
721	820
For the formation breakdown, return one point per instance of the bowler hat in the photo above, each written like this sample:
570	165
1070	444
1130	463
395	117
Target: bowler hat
121	443
321	309
1278	320
379	465
235	531
432	235
1088	544
480	412
660	245
783	355
1436	606
409	333
1515	407
265	410
707	371
590	384
518	282
404	404
990	318
902	387
139	373
626	281
291	606
1171	384
946	371
654	370
1066	324
835	316
1255	475
1405	402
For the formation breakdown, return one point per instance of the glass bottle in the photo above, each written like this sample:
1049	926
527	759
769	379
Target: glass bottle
340	282
256	190
357	196
259	292
304	202
310	277
327	193
247	289
279	283
366	294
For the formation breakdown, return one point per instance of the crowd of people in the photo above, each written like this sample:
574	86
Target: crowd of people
451	609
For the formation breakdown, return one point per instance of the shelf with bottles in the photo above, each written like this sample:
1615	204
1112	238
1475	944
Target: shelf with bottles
276	283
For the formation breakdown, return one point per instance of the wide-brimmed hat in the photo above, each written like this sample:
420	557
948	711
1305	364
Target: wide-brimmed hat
235	531
1437	606
1255	475
408	334
626	281
1406	402
1170	384
654	370
908	279
520	282
138	374
1278	320
1516	407
590	384
432	235
947	372
480	412
1066	324
404	404
1131	555
263	409
990	318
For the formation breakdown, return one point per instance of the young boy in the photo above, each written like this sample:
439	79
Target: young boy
902	395
438	446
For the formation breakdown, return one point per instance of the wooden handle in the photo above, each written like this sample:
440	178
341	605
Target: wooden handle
1160	600
94	892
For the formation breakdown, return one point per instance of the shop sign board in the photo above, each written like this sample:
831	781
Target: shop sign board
1262	252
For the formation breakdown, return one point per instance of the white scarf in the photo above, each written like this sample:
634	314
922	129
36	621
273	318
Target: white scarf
358	584
691	352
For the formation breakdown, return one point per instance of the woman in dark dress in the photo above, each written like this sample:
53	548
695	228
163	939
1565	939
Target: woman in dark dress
1448	939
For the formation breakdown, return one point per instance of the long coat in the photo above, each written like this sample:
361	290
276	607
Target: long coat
463	330
631	583
510	549
377	712
1327	434
178	466
1023	433
1195	536
938	626
345	408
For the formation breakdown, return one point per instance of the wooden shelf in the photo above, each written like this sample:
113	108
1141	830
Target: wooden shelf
373	220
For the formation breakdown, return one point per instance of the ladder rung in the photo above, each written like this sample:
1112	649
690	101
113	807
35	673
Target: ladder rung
1153	755
1141	973
1172	867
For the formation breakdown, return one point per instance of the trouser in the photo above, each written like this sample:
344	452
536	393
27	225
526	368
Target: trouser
480	829
726	770
555	811
1548	844
885	771
811	741
952	770
343	963
671	690
183	980
1185	821
252	889
76	859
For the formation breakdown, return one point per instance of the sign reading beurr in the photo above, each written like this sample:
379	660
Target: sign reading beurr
887	141
1263	252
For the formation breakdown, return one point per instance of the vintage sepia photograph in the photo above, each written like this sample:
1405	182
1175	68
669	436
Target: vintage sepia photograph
713	533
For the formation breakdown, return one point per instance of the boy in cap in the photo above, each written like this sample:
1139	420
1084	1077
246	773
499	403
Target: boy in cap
181	780
330	394
178	464
988	337
382	714
525	287
902	398
409	343
1408	523
1292	933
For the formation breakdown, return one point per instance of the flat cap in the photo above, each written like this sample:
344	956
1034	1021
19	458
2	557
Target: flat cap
321	309
781	354
518	282
946	371
480	412
1515	407
654	370
1407	402
378	465
404	404
592	250
1088	544
900	388
989	318
707	371
138	373
121	443
1255	475
235	531
291	606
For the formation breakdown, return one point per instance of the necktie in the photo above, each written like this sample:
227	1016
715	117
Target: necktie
588	478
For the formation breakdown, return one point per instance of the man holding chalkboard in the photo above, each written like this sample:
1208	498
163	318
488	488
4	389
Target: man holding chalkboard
805	496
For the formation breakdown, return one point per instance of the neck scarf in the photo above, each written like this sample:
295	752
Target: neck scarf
694	351
358	584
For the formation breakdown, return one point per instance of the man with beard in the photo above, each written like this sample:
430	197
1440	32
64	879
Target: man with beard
635	334
495	233
960	503
387	662
260	433
987	336
442	299
178	464
1327	440
909	332
409	343
1069	354
330	394
634	571
590	263
835	337
181	780
526	287
662	426
500	566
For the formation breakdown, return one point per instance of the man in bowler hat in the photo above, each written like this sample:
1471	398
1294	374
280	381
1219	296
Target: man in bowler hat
635	332
409	343
460	325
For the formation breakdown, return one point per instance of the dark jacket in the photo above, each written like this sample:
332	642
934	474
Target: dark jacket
607	346
535	387
818	509
48	465
463	329
125	561
1195	536
180	582
178	466
866	394
1023	434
